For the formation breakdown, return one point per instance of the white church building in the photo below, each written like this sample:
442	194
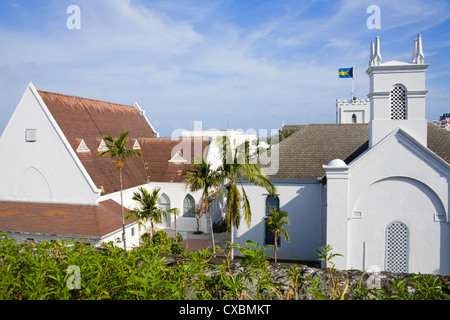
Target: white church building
375	186
378	193
54	185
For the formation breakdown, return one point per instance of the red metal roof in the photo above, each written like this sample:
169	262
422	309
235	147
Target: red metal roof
156	154
87	119
61	219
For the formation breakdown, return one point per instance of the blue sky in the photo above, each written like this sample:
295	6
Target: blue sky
244	64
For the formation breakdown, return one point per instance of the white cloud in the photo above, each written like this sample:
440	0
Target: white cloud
194	59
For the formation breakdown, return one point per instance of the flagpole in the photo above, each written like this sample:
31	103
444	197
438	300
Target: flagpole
353	79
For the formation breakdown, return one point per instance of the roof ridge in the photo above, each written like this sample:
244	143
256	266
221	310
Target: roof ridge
83	98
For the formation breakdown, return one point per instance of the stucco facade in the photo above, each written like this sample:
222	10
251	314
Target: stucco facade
389	206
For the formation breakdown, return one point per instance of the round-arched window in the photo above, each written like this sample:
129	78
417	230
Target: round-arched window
188	207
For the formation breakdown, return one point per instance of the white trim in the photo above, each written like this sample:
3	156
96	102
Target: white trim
142	112
417	148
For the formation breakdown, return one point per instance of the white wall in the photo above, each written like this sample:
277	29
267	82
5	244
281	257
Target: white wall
46	170
303	202
176	193
397	180
346	109
132	235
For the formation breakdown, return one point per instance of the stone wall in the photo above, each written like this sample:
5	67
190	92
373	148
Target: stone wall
309	275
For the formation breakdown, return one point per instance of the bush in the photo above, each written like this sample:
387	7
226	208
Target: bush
66	270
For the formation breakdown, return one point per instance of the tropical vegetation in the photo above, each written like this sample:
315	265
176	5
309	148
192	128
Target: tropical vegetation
67	270
118	151
147	207
201	176
276	222
236	168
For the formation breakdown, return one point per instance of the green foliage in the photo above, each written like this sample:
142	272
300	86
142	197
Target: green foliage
39	271
147	207
276	222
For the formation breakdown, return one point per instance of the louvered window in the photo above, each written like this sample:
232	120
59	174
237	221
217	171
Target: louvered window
397	239
398	103
30	135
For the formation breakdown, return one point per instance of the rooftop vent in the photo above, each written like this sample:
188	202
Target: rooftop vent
30	135
82	147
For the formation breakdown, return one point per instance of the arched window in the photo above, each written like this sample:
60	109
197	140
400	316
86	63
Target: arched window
164	204
397	243
354	118
271	203
398	103
188	207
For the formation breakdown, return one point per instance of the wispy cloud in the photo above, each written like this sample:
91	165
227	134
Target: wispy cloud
253	63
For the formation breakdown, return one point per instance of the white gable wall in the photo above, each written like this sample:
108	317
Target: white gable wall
396	181
46	170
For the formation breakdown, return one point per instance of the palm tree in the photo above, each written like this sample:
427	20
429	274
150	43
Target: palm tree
147	207
203	177
276	222
118	151
236	167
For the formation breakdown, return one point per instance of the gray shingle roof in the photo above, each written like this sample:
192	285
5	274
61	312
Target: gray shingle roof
302	155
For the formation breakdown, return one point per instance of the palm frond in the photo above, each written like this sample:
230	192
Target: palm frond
246	208
233	206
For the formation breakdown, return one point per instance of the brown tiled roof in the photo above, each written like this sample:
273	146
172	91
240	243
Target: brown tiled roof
157	152
81	118
87	119
302	155
61	219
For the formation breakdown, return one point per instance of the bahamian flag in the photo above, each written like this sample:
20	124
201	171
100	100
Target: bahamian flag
345	72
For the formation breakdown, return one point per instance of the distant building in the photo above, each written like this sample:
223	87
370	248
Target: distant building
353	111
444	121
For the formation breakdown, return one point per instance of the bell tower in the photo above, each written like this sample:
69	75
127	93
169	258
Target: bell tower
397	95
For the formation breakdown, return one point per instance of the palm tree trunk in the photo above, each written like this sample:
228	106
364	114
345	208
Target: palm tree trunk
212	233
123	216
276	247
232	241
175	218
208	209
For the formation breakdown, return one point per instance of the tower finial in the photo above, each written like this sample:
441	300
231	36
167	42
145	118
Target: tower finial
372	53
414	55
377	55
420	58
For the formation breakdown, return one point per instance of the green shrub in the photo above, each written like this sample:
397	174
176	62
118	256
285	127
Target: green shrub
37	271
